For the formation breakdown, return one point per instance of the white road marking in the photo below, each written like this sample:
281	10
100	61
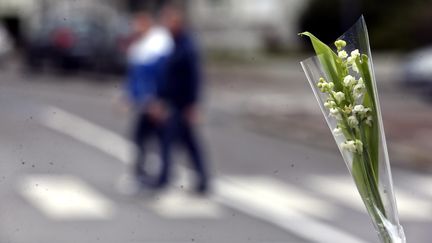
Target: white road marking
226	192
287	218
343	190
178	204
65	197
87	132
272	193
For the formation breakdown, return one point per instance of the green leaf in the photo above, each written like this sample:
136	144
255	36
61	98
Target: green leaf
359	176
367	187
328	59
372	133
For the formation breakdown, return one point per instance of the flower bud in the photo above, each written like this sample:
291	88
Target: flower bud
334	112
348	81
349	145
352	121
339	96
340	44
355	53
359	109
329	104
358	90
342	54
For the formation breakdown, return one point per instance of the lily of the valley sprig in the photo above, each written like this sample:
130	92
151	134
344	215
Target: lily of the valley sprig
346	106
343	82
350	100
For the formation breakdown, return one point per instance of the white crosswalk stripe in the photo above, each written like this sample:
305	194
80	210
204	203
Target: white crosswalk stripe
176	204
84	131
179	204
279	196
342	189
63	197
268	200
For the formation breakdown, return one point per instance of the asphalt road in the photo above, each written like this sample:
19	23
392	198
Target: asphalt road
64	159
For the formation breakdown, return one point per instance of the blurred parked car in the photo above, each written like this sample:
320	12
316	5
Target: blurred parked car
5	44
77	37
418	69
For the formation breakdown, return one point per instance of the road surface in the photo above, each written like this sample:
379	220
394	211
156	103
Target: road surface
65	157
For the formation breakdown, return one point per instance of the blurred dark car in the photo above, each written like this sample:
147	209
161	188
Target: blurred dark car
5	44
418	69
77	37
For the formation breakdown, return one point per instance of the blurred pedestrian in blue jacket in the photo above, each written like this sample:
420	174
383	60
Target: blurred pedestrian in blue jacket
181	92
148	55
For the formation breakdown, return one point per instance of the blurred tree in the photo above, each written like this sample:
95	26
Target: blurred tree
392	24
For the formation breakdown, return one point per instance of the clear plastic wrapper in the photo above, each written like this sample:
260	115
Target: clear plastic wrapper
343	81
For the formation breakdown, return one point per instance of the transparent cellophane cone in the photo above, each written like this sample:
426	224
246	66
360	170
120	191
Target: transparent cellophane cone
386	221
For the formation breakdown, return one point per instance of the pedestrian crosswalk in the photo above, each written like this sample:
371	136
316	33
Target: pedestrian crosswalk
313	205
67	197
275	202
316	201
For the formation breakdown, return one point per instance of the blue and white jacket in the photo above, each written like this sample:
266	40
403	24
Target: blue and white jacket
147	58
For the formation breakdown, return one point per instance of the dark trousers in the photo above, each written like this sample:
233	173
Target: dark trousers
146	129
179	130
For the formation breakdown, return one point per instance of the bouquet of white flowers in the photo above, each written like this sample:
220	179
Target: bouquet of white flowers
343	82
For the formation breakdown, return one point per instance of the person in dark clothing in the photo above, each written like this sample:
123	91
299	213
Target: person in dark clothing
147	56
181	91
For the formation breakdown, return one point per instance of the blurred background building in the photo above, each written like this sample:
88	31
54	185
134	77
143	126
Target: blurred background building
248	25
245	25
16	15
253	25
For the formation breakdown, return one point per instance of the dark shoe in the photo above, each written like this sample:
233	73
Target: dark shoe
202	189
160	184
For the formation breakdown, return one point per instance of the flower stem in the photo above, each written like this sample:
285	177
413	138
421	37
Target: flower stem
365	177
